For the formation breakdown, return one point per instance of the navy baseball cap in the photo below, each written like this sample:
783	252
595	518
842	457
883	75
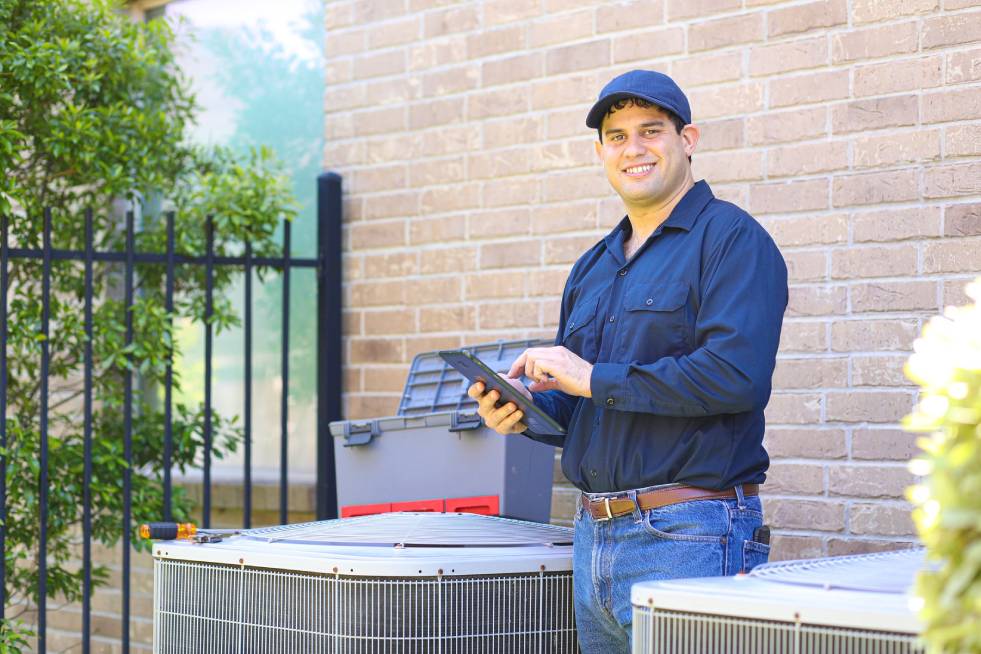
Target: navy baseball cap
647	85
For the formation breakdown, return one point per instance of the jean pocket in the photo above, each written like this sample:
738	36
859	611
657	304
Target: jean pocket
754	554
703	521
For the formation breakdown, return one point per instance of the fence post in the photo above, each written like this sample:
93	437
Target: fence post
329	341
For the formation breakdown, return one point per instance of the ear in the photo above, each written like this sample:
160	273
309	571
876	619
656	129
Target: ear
690	134
599	150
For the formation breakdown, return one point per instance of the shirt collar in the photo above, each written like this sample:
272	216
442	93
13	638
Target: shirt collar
682	216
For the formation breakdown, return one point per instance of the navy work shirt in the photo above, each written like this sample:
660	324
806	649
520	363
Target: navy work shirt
683	338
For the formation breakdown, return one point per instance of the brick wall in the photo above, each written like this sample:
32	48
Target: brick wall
850	128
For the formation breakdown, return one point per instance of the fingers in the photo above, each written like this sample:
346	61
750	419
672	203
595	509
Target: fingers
475	390
552	384
517	366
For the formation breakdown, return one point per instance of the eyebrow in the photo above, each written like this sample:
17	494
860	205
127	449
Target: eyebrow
650	123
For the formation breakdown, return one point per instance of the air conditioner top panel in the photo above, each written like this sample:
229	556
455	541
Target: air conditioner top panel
868	592
391	544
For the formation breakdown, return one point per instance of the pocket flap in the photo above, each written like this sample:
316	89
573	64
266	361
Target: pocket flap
660	297
582	313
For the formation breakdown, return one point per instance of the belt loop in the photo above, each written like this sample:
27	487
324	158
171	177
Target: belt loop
638	516
740	497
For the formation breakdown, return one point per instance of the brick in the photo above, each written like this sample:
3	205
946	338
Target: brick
877	113
953	255
396	91
373	11
869	481
437	230
873	335
810	373
786	547
447	260
576	57
785	197
429	343
345	97
447	319
894	296
392	147
803	337
564	123
389	62
507	11
396	264
805	514
547	282
377	350
784	126
397	32
513	221
955	292
808	230
852	546
561	28
378	235
421	290
370	406
338	15
649	45
809	88
515	130
872	406
879	371
338	72
564	154
959	104
716	102
817	301
793	408
575	185
874	42
962	141
508	315
896	224
953	180
874	188
431	172
379	121
951	29
449	198
436	112
501	163
707	69
461	18
628	15
785	57
436	52
723	32
389	321
870	11
807	159
564	217
507	255
511	191
964	66
373	293
857	262
889	150
884	444
724	167
486	285
381	178
499	41
549	93
895	76
806	266
451	80
806	443
345	42
795	479
881	519
681	9
806	17
497	102
567	249
963	220
380	380
722	135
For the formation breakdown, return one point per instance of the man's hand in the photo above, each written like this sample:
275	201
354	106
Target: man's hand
504	419
554	368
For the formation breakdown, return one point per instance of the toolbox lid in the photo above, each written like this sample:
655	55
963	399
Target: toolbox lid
434	386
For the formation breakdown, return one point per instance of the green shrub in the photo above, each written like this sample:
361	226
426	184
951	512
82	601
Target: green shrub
947	366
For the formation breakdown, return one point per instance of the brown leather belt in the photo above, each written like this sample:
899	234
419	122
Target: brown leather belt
612	507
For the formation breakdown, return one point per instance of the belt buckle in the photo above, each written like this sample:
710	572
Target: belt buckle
609	514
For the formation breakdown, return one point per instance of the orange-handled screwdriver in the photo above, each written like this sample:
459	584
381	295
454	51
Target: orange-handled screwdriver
167	530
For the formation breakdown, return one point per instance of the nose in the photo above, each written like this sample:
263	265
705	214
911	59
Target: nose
633	147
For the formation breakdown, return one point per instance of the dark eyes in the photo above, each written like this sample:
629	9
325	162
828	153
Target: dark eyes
649	133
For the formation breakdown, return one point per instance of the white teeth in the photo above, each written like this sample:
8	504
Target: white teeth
640	169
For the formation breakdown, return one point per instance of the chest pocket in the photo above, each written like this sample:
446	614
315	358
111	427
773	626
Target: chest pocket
657	320
580	330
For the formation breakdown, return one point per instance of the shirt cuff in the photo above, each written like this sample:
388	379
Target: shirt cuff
608	385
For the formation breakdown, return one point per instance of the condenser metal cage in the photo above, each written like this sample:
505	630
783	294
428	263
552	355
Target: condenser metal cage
842	605
418	583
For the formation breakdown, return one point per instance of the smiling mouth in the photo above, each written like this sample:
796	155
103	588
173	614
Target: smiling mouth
639	170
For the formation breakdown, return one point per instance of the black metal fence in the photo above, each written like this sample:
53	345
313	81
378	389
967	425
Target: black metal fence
328	267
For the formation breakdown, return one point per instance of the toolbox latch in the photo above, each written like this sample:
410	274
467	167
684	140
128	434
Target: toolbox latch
360	433
464	421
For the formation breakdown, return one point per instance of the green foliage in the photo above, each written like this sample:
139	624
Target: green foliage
947	365
93	109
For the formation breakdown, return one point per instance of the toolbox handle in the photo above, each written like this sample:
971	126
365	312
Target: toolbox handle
360	433
460	421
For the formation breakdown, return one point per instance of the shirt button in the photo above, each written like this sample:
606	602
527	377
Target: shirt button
623	272
593	473
612	318
650	301
609	401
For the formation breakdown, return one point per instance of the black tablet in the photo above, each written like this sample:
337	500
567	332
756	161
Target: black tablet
477	371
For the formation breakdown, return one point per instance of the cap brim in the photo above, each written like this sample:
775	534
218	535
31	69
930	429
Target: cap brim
595	116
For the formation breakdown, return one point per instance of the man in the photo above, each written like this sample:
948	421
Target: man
660	371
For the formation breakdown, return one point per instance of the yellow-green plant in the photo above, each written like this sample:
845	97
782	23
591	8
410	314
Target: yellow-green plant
947	365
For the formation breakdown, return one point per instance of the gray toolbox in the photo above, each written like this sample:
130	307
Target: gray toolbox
437	455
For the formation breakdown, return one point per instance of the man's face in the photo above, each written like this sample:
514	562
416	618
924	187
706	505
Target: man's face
645	158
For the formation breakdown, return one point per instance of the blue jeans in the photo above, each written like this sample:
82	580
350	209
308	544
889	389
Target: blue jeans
700	538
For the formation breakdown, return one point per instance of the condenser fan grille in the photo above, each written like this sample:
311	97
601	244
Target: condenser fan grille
204	608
